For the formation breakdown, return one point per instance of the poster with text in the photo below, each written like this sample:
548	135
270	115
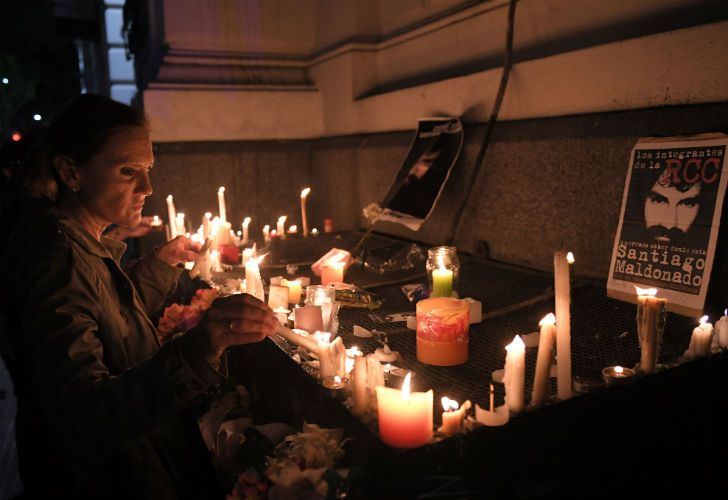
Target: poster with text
422	176
669	222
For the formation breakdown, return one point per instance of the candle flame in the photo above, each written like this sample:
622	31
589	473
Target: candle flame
337	379
725	313
274	232
449	404
208	215
618	370
441	262
646	291
516	345
266	228
305	192
246	221
281	310
354	351
169	197
293	229
549	319
314	231
282	219
260	259
387	367
406	387
221	190
570	258
322	337
240	233
703	320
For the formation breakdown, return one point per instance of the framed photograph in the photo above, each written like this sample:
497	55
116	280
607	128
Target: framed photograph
419	182
669	222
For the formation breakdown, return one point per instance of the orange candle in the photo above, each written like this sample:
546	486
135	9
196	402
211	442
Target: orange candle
405	418
443	324
332	273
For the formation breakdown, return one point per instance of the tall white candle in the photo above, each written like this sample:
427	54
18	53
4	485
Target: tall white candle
172	214
266	233
701	340
304	216
543	361
281	227
562	290
650	326
206	224
221	203
180	222
515	374
253	281
246	234
721	330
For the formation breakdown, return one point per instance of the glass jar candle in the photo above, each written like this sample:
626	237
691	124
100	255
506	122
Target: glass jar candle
442	331
443	270
325	297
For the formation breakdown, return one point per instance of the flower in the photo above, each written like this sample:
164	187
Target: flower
372	212
178	318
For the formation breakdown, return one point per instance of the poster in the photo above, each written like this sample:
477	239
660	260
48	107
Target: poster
669	222
420	181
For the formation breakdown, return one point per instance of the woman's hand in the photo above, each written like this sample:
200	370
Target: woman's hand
178	251
234	320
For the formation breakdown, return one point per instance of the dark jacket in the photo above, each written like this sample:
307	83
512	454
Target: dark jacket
102	409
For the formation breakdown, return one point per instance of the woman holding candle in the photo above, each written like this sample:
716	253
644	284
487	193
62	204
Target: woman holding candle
103	410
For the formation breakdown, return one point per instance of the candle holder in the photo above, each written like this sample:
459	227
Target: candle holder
617	374
443	270
336	386
325	297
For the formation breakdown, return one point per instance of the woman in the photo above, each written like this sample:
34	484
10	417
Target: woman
102	408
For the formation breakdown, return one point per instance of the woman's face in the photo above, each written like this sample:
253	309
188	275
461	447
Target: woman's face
115	182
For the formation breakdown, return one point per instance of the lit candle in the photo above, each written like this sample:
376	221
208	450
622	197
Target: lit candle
333	273
721	330
650	326
562	290
443	328
314	232
452	416
441	279
277	296
614	374
293	229
543	361
294	291
332	356
246	235
266	233
304	216
515	374
248	253
253	281
405	418
206	224
172	213
156	221
221	203
281	227
701	340
180	222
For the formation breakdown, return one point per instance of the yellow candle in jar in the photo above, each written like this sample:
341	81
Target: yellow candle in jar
441	280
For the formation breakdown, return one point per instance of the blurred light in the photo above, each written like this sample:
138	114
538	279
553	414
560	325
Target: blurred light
37	117
6	81
16	136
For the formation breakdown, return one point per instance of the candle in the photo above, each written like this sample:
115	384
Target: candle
281	227
332	273
308	318
266	233
515	373
248	253
246	234
493	417
405	418
562	290
253	281
351	355
278	296
721	330
304	217
615	374
156	221
294	338
293	229
701	340
172	213
650	326
543	361
294	291
441	279
332	356
442	331
221	203
314	232
282	315
452	416
180	224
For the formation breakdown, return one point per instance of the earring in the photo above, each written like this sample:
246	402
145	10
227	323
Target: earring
75	189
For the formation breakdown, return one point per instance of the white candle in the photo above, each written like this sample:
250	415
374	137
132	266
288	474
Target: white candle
266	233
206	224
650	325
332	357
221	203
721	330
156	221
180	222
453	416
304	216
543	361
253	281
246	224
515	374
215	261
308	318
562	290
172	213
278	297
701	340
281	227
